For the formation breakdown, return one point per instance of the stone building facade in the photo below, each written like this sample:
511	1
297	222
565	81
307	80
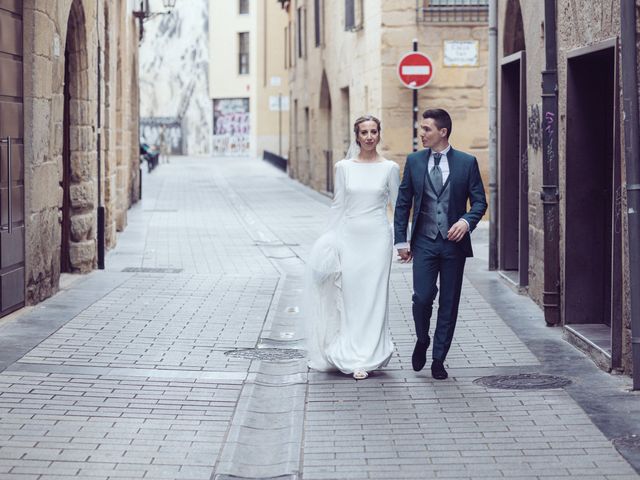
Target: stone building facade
70	105
562	223
342	57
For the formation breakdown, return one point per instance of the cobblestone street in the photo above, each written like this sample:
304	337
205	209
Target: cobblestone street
139	372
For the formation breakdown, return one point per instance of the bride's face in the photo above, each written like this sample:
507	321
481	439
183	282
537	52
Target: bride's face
368	135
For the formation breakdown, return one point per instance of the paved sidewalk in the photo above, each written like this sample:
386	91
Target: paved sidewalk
149	369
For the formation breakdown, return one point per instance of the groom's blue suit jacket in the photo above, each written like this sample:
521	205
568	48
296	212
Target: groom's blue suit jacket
465	185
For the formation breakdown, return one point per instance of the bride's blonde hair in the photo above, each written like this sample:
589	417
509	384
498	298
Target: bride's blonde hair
365	118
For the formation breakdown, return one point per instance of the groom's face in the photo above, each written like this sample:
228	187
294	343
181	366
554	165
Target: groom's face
431	136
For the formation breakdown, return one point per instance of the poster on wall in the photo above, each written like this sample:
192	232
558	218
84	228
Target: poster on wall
231	126
155	129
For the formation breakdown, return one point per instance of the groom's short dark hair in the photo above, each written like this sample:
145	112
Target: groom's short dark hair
441	118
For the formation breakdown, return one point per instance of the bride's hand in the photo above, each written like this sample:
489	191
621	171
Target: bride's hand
405	255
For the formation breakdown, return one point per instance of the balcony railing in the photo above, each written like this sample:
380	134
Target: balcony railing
452	11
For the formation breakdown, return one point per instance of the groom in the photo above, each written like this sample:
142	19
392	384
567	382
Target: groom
438	181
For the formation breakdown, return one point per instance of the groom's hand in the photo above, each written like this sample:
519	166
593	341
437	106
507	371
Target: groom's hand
405	255
457	231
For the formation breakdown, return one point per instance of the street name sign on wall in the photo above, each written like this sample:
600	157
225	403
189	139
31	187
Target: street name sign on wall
460	53
415	70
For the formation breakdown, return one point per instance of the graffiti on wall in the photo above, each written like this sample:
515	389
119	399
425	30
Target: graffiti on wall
231	126
167	130
535	130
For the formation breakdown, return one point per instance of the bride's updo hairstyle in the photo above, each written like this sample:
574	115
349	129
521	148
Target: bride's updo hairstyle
365	118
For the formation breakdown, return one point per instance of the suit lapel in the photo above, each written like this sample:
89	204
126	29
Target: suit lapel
454	170
455	175
422	165
444	186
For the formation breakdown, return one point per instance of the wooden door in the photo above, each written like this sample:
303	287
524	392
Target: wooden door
12	232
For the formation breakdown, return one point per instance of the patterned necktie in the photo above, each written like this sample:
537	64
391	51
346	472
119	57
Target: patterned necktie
436	173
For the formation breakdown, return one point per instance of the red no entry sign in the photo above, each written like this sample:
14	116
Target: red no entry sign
415	70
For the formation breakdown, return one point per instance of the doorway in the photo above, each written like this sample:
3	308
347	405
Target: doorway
513	225
345	104
12	229
65	237
326	126
310	174
78	251
593	246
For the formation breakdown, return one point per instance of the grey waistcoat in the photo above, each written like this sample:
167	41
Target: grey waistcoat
434	210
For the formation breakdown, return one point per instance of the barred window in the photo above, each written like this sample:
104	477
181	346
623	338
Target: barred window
243	53
454	11
243	7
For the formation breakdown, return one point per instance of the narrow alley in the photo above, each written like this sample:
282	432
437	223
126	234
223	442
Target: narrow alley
185	359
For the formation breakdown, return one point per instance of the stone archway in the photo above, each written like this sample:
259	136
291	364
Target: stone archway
513	38
121	124
109	49
134	144
325	129
78	243
513	164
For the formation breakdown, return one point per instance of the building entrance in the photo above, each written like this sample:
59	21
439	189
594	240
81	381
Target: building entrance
593	246
12	229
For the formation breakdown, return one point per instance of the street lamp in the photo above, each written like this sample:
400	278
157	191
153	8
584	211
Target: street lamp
146	14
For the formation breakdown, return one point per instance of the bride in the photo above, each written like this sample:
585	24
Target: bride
348	270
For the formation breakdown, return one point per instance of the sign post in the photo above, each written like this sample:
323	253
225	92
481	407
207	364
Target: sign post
415	106
415	71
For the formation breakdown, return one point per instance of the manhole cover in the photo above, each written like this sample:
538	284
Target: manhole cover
522	381
630	442
266	353
151	270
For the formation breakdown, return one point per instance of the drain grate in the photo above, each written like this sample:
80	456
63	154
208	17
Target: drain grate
523	381
293	476
151	270
630	442
273	354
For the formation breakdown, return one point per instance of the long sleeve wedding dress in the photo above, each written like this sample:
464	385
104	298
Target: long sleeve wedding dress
348	272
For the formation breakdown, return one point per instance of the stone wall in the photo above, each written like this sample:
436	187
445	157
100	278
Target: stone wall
46	29
337	82
354	73
580	23
627	352
462	91
532	37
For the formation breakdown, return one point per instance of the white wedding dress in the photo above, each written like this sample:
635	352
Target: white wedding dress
347	287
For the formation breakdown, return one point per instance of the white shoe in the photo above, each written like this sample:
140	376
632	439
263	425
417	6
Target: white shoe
360	374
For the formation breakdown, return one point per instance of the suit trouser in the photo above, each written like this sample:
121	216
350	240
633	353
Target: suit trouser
433	258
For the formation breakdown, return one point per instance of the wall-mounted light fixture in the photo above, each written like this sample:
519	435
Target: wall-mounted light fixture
145	13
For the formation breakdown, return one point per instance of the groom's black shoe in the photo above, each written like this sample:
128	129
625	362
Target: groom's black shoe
438	371
419	357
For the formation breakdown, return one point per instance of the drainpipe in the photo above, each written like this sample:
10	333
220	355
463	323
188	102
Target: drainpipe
99	154
550	178
493	134
632	162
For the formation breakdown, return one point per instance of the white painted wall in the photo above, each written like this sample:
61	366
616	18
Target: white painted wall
174	70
